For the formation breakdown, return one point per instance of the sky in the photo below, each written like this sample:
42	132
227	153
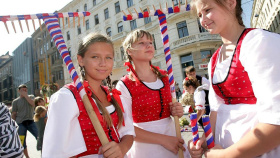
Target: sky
9	42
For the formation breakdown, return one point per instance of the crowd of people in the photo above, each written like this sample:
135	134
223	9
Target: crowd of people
241	95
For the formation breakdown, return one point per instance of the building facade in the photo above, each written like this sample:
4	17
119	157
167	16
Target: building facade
47	62
6	79
190	44
22	66
266	15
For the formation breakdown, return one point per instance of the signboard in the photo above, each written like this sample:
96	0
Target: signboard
203	66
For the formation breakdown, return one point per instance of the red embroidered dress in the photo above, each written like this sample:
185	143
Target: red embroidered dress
237	87
91	139
149	104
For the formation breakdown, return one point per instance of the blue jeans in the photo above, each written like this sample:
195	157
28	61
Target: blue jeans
22	130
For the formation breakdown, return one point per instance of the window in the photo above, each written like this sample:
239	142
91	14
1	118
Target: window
68	35
51	42
154	41
79	30
47	45
94	2
201	29
122	53
133	24
108	31
61	75
77	10
120	27
117	7
129	3
41	50
69	50
176	2
53	78
96	19
186	61
182	29
148	19
205	55
87	24
106	13
85	7
66	20
58	55
53	58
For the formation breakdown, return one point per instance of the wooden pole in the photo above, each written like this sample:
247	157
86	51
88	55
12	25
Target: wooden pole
20	26
6	27
27	25
33	24
13	24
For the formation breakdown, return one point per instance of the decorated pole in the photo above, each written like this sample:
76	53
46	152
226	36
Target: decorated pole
51	21
161	14
208	131
193	118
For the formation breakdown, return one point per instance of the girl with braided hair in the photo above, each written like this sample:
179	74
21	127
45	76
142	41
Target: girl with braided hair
69	133
146	93
244	93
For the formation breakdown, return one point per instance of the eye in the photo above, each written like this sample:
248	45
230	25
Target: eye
151	42
207	10
141	43
109	58
199	15
94	57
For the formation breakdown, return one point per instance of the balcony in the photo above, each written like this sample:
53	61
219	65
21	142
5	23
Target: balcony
195	38
119	35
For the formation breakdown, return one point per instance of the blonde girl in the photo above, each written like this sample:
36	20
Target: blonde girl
40	121
69	132
146	93
245	91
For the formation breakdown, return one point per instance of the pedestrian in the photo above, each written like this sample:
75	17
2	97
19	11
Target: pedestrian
39	101
40	120
245	89
10	146
145	91
192	87
22	113
191	73
69	131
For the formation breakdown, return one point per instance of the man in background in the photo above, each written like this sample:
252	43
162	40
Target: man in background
22	113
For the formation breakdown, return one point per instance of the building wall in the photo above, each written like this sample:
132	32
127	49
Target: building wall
46	55
22	66
6	80
192	44
266	15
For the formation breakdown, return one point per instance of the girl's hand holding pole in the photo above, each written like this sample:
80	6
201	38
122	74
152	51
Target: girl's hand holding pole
176	109
172	144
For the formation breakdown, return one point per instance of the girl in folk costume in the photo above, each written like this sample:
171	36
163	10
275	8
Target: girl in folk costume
192	87
146	93
69	132
245	84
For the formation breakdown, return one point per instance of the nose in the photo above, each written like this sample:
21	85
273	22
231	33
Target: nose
102	62
202	20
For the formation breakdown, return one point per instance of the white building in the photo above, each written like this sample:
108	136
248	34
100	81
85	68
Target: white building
266	15
190	44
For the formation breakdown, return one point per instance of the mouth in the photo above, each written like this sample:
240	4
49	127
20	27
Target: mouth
207	25
149	51
101	71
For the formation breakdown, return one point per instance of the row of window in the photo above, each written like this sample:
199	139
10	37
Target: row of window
275	23
57	75
8	95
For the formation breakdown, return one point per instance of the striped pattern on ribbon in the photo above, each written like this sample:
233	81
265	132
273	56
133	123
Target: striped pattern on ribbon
208	131
55	32
10	145
193	118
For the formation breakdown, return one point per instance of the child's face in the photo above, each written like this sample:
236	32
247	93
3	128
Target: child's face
142	50
98	61
212	16
41	102
190	89
191	74
43	114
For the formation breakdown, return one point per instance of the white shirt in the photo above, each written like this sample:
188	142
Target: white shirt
259	55
63	136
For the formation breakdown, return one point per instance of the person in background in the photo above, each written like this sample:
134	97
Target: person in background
22	113
40	120
245	84
39	101
10	145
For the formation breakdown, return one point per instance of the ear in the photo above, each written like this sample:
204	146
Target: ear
231	4
128	51
80	60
